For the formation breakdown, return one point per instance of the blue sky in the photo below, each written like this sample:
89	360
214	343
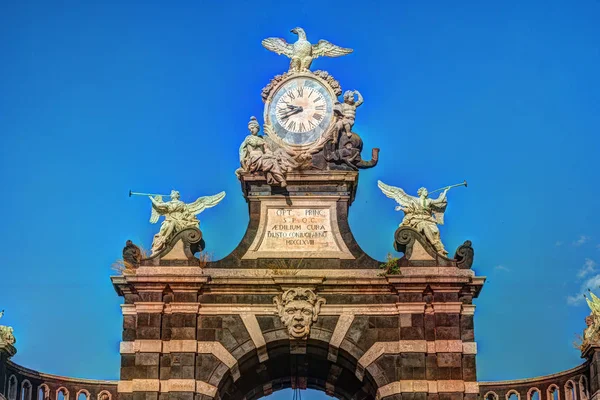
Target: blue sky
100	98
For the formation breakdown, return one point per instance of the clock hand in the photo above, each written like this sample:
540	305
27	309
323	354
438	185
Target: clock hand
294	111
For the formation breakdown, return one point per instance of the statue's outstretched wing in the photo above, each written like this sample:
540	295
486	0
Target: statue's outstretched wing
156	209
438	207
278	45
325	48
397	194
594	304
204	202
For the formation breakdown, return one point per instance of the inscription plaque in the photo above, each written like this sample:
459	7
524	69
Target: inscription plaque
298	231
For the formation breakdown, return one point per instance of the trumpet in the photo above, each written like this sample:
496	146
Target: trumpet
147	194
449	187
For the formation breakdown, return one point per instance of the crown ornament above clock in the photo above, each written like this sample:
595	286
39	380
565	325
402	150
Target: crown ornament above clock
305	125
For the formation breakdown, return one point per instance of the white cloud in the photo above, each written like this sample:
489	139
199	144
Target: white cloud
582	240
592	282
574	300
502	268
589	266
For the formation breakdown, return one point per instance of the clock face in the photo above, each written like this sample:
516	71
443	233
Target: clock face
301	111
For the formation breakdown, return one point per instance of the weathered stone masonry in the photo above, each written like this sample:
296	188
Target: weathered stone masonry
213	332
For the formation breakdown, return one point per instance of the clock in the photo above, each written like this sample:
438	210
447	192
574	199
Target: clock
300	111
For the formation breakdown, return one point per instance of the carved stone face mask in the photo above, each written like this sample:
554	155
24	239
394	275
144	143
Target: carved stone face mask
298	308
298	317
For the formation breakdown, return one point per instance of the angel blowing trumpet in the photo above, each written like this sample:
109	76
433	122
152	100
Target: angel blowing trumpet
422	213
178	215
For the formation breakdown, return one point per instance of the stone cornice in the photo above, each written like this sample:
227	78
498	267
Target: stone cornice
489	385
43	376
268	309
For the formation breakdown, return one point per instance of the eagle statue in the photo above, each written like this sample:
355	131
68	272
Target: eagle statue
302	53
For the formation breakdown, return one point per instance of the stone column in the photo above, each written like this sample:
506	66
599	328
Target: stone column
6	352
141	346
467	335
593	354
179	336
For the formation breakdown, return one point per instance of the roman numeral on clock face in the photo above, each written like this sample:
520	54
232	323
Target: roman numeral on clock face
318	116
291	125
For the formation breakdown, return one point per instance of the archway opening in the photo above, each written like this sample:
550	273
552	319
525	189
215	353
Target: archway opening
553	393
570	393
308	394
26	390
534	394
298	367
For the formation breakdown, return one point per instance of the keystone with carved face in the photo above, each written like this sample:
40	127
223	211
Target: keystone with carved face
298	308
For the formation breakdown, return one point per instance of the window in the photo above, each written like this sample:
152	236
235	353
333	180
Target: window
12	388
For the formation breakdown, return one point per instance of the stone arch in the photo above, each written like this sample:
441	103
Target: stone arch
531	392
26	389
510	393
584	392
84	392
552	389
64	391
43	392
570	390
293	363
104	395
12	388
492	394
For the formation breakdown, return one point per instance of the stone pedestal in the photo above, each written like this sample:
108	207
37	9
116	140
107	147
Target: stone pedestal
215	333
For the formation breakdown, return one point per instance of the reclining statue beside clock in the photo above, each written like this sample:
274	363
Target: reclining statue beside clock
305	125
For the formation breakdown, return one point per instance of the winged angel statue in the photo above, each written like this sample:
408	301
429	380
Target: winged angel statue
421	213
302	52
591	334
178	216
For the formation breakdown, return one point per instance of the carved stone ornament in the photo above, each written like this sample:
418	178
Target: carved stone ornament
302	52
421	213
417	248
298	308
464	255
261	155
405	239
6	333
178	216
132	255
306	126
179	248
